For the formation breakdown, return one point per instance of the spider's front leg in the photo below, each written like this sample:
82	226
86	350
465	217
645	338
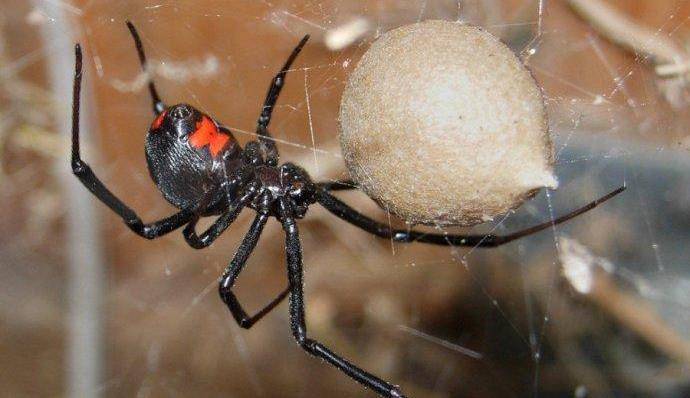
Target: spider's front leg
347	213
272	95
337	185
82	170
293	251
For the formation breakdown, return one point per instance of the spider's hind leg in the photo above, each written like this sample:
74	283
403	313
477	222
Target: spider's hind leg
89	179
158	105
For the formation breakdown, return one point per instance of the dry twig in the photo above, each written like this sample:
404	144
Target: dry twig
590	276
672	61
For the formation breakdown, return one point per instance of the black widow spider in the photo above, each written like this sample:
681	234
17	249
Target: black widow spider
201	169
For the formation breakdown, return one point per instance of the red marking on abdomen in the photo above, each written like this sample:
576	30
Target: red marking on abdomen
159	120
207	133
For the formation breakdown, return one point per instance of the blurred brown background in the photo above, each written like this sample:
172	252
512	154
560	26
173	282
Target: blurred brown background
166	333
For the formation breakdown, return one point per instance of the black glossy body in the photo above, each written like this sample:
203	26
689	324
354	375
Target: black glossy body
184	174
198	164
199	167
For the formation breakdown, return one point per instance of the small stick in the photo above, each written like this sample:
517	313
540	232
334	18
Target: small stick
640	317
622	30
589	276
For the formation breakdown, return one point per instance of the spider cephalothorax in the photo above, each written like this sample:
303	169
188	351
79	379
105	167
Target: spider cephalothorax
200	168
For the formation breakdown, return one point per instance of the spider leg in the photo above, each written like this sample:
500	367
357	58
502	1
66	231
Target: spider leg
218	227
158	105
298	325
276	86
337	185
252	153
269	103
342	210
233	270
245	321
87	177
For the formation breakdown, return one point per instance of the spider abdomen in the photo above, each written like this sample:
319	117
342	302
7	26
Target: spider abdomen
183	176
186	153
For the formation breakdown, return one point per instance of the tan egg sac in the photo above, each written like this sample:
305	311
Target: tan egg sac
442	124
